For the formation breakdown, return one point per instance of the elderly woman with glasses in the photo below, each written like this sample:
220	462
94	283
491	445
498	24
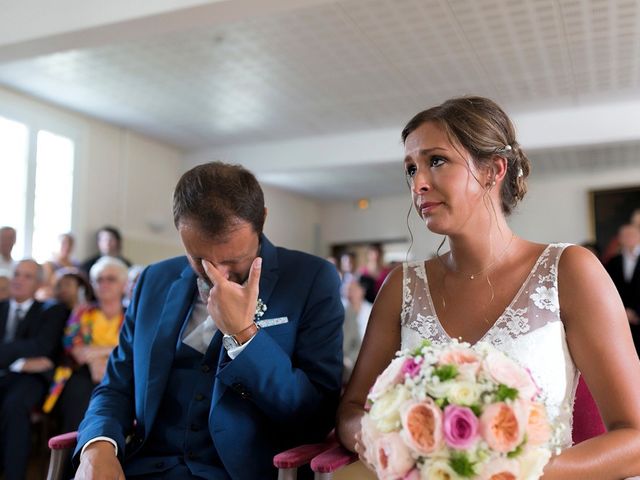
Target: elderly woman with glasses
90	336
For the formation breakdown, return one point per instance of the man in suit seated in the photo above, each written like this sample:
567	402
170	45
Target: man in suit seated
624	270
31	336
226	356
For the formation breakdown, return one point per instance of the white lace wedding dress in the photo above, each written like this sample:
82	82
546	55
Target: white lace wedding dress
529	331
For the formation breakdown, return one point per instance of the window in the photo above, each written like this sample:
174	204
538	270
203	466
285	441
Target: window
36	187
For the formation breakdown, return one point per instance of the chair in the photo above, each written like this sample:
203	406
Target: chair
61	447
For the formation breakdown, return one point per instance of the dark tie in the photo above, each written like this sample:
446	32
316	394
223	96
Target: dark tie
12	324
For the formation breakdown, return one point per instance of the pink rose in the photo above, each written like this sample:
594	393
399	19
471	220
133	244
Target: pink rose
393	457
411	367
392	375
504	370
422	425
460	426
503	426
538	428
467	361
501	469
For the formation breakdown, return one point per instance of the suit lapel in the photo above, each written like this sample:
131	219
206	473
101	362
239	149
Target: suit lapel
163	348
635	278
269	276
4	314
31	315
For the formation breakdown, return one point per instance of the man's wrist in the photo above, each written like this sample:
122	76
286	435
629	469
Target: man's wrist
100	443
246	334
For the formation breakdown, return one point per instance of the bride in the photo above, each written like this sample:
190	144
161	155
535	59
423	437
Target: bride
552	307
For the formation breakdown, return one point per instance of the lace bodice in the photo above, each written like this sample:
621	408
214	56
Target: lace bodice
529	330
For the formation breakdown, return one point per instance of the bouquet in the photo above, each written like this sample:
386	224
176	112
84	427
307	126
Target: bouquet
456	412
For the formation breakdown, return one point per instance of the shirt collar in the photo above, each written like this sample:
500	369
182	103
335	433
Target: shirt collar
24	306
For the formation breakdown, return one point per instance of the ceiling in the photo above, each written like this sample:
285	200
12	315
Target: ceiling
341	67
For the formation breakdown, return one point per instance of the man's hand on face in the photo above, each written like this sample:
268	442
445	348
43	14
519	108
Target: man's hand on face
233	306
99	462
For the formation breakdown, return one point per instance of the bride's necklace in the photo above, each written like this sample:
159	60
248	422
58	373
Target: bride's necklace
489	266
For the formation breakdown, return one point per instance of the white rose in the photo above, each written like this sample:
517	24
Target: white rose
391	376
532	463
385	411
464	393
437	388
438	469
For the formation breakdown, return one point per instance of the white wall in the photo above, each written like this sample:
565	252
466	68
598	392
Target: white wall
293	221
385	219
122	178
556	209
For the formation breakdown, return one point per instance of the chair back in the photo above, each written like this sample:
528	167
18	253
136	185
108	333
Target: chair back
587	422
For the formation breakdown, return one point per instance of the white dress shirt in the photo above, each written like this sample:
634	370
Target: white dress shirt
629	261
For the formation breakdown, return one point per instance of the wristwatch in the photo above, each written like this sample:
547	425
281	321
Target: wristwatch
235	340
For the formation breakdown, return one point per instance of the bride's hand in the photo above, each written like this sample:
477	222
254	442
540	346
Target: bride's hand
361	451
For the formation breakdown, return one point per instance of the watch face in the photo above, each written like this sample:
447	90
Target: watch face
228	342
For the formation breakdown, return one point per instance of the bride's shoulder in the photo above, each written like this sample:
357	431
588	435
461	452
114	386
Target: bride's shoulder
575	259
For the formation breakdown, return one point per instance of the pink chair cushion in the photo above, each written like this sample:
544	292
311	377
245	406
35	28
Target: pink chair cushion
66	440
587	422
333	459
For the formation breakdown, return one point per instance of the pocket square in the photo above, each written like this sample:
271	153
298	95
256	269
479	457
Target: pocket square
270	322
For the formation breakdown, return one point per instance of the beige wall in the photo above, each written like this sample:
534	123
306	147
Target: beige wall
293	221
122	178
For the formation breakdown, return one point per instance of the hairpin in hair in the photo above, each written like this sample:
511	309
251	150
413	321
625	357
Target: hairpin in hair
505	149
520	172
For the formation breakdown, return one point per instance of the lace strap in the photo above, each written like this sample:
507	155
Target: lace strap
413	280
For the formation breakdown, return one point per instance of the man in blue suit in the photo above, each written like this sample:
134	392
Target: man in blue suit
226	356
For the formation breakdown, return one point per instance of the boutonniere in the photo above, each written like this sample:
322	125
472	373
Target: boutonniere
261	307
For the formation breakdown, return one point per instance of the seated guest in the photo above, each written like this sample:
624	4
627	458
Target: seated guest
376	269
227	356
624	270
5	283
109	243
132	281
72	288
63	258
31	335
90	336
356	316
7	241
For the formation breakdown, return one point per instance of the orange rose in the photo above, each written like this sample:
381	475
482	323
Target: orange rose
422	426
538	428
502	426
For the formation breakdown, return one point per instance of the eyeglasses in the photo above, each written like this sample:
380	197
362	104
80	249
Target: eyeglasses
107	278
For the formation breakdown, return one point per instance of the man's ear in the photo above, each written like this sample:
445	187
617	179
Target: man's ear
265	214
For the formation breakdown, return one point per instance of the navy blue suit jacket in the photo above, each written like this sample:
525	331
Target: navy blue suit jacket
281	390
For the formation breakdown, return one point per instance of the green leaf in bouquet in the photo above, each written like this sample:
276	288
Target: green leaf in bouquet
476	409
518	450
446	372
418	350
441	402
506	393
461	464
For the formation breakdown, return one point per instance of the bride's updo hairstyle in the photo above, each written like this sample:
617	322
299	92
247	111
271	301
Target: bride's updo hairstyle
483	129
